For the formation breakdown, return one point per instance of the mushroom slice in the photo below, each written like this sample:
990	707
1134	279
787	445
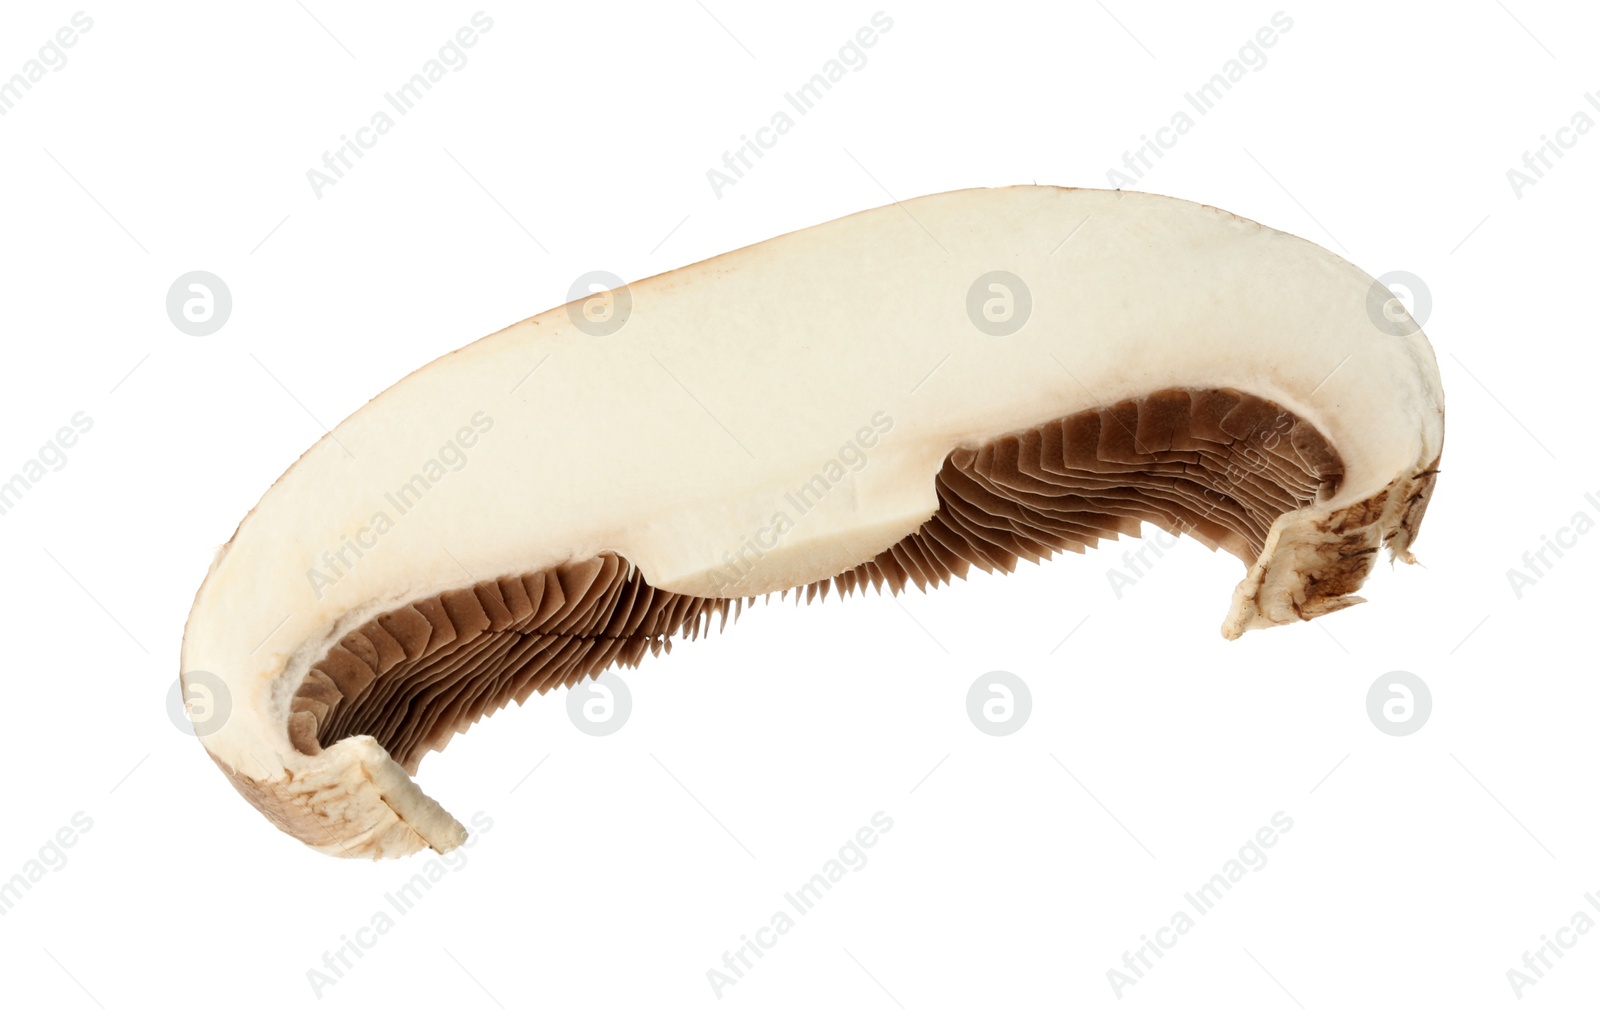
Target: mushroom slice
893	398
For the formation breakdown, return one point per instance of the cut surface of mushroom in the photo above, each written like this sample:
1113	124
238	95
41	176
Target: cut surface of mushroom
887	400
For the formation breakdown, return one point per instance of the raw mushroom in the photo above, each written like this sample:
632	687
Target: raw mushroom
890	398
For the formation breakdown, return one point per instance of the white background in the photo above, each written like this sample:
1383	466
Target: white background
1018	870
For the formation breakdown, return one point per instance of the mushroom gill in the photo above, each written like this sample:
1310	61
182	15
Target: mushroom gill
1217	465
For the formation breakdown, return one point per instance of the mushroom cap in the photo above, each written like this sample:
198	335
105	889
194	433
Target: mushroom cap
671	441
